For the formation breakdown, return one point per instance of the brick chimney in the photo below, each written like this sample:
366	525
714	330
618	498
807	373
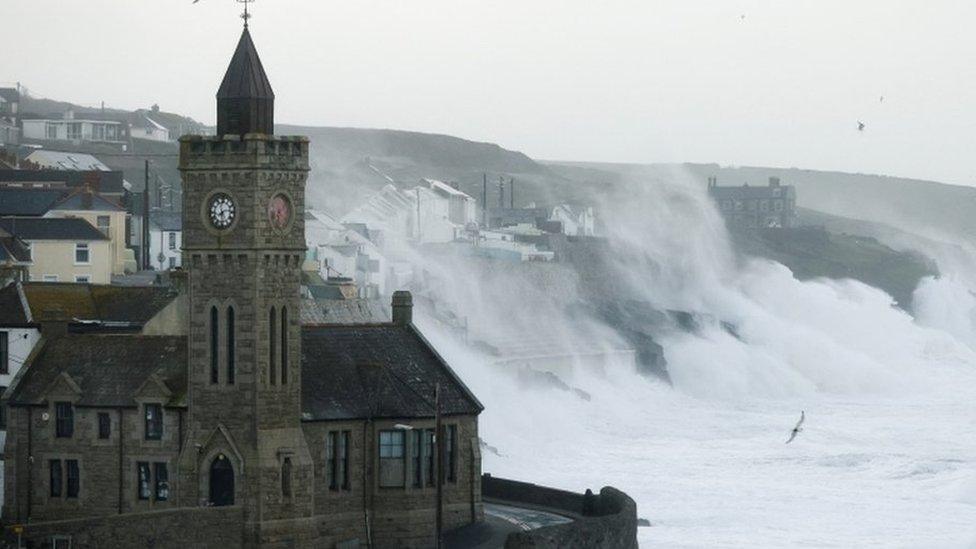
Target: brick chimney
402	308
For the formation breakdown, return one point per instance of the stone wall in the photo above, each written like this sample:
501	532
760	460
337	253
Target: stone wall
180	528
607	520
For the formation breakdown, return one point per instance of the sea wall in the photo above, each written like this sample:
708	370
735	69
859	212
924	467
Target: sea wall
605	520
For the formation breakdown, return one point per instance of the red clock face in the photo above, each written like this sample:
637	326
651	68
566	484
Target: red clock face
279	211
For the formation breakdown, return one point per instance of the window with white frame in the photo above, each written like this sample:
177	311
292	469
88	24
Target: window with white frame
82	253
49	278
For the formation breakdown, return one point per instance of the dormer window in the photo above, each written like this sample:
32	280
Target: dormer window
154	421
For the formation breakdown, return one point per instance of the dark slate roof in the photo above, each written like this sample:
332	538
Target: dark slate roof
376	371
104	182
11	306
245	77
51	228
343	311
94	202
29	202
109	369
748	192
96	302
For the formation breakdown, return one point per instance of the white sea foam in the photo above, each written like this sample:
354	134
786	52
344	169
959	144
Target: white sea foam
888	457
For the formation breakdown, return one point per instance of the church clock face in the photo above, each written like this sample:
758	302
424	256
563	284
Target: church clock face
279	211
221	211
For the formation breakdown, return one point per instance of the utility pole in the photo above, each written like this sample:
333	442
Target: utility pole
439	447
145	221
484	200
501	192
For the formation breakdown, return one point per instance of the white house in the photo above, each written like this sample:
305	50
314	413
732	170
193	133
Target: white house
462	208
165	240
75	130
147	128
341	251
576	221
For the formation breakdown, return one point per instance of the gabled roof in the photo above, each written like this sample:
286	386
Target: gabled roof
245	77
110	182
51	228
28	202
342	311
92	202
109	370
96	302
66	160
376	371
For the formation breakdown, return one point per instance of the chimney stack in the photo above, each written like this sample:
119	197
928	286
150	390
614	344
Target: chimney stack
402	308
774	182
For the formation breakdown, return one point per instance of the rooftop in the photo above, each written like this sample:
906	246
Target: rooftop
51	228
108	370
21	201
66	160
376	371
82	302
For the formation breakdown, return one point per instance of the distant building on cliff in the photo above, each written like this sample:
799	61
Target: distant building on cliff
748	207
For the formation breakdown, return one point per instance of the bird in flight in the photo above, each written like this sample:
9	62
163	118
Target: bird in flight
799	428
860	126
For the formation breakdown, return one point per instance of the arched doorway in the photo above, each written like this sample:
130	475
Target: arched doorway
221	482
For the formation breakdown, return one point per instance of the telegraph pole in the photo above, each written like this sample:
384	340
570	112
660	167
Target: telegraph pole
145	221
484	200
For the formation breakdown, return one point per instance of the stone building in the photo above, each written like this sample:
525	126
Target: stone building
243	427
748	207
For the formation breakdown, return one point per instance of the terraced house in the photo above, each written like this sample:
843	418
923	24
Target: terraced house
236	424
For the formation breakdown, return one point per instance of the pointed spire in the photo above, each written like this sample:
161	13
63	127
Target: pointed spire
245	100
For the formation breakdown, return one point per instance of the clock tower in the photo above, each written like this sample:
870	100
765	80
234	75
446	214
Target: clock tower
243	247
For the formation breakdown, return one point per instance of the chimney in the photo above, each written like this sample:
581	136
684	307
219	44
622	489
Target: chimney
774	182
86	198
511	191
402	308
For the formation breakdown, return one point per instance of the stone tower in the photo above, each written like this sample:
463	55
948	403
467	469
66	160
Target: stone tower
243	246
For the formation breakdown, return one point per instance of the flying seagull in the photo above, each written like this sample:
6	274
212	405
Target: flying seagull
860	126
797	429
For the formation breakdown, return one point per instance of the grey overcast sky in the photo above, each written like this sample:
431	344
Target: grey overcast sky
778	83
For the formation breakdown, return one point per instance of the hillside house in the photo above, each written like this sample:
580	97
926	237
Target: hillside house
751	207
75	130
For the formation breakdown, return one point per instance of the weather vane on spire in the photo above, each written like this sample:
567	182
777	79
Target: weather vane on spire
246	15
